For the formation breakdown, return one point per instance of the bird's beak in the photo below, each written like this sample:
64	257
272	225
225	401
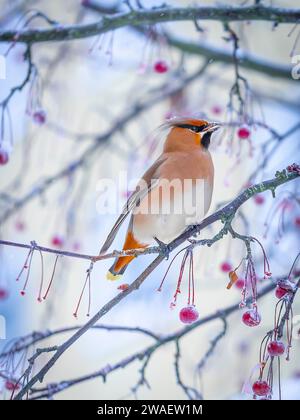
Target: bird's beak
212	127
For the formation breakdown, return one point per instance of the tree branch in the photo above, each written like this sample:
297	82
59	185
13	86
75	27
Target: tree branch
117	126
150	350
223	214
245	60
150	17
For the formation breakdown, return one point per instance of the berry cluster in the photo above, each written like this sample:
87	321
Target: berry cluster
272	345
187	314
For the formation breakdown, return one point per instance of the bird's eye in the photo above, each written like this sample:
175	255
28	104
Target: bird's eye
195	128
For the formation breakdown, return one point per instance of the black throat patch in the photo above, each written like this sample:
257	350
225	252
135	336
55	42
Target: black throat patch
205	141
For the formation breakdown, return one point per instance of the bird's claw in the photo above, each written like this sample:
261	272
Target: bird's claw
163	248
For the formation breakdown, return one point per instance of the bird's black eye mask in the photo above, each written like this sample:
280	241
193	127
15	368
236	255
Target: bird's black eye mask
205	141
195	128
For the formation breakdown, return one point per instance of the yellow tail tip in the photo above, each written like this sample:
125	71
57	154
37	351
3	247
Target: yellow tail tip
112	277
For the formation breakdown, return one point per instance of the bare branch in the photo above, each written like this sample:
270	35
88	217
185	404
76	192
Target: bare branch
191	393
222	214
146	353
117	126
213	344
152	16
245	60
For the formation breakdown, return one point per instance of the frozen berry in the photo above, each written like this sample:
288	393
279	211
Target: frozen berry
39	117
57	241
240	283
4	158
261	388
280	292
276	348
11	386
188	315
251	318
161	67
3	293
226	267
243	133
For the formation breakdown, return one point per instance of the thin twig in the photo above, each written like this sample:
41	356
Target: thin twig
222	214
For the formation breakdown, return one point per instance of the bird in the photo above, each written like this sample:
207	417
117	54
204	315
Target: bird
175	192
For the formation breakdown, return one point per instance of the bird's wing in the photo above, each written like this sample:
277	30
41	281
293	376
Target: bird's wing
134	200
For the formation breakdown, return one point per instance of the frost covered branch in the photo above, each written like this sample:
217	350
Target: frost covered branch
152	16
224	214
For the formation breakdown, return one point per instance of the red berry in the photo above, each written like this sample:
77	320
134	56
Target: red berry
280	292
243	133
276	348
11	386
123	287
20	226
76	246
4	158
3	293
259	199
297	221
57	241
240	283
226	267
251	318
161	67
188	315
216	109
261	388
39	117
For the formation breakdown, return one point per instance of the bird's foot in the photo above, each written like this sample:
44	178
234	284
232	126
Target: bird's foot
163	248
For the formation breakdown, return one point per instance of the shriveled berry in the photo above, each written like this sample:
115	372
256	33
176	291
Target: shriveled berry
123	287
39	117
259	199
19	225
216	109
251	318
11	385
76	246
276	348
188	315
261	388
3	293
280	292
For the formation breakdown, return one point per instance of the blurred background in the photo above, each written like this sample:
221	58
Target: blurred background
119	86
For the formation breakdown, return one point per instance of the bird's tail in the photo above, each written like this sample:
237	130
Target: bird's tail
119	266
